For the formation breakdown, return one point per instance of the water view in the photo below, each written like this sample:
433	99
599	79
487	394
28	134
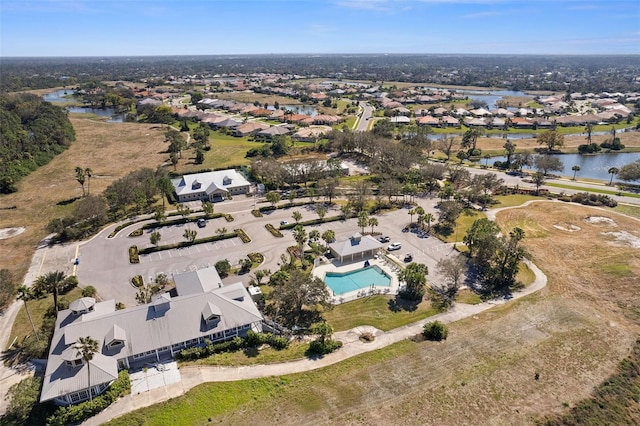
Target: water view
59	96
591	166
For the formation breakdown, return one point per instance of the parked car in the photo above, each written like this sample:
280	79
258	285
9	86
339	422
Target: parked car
394	246
201	223
408	257
284	222
384	239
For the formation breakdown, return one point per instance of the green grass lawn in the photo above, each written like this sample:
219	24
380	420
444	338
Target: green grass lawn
465	295
296	350
376	311
225	151
513	200
463	223
37	308
633	211
598	191
211	403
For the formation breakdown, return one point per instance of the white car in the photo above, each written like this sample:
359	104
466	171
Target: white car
394	246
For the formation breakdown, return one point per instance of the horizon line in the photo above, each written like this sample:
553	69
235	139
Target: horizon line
314	54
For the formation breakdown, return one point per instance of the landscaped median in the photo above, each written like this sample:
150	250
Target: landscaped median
134	252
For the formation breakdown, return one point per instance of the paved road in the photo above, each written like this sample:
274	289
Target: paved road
363	121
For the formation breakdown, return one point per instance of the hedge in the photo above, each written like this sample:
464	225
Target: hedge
182	220
313	222
284	206
252	340
181	244
78	413
242	235
137	281
273	230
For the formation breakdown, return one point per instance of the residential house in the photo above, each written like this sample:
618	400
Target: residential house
249	128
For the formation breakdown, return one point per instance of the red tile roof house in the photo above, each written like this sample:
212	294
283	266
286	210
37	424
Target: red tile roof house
522	123
428	121
250	128
294	118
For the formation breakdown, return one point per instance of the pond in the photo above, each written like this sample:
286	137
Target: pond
492	97
299	109
59	97
591	166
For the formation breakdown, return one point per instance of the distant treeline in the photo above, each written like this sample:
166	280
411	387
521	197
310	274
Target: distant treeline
517	72
32	132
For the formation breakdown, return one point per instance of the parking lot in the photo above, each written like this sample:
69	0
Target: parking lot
105	264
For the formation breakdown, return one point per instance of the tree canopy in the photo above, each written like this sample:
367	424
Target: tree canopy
32	132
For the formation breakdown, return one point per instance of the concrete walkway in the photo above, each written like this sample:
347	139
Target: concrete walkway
352	346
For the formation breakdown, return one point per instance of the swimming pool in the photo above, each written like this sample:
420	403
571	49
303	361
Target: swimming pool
345	282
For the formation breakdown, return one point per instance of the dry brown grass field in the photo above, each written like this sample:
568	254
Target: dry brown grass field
572	333
111	150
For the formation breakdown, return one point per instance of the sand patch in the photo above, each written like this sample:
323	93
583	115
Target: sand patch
10	232
569	227
624	239
600	219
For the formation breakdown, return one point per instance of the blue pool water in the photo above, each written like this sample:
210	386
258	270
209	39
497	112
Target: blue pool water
345	282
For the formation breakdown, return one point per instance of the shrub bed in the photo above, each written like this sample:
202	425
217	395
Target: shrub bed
138	232
435	331
242	235
284	206
313	222
228	217
187	243
252	340
137	281
257	258
273	230
181	220
319	348
75	414
134	254
256	213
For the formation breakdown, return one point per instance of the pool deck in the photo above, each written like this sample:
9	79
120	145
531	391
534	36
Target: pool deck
336	266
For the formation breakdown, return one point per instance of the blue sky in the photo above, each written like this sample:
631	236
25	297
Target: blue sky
201	27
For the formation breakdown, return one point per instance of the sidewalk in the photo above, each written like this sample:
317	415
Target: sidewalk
352	346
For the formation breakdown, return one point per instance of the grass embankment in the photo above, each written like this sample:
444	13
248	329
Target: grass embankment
572	334
252	356
595	190
378	311
37	308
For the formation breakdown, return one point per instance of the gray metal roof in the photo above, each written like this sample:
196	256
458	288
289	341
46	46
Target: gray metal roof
195	282
142	328
356	244
209	182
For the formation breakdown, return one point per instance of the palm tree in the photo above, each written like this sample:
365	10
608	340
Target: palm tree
88	173
24	294
373	222
612	171
429	218
86	347
300	235
51	284
589	129
297	216
575	169
411	213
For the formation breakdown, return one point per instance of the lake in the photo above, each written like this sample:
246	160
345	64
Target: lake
591	166
299	109
59	97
